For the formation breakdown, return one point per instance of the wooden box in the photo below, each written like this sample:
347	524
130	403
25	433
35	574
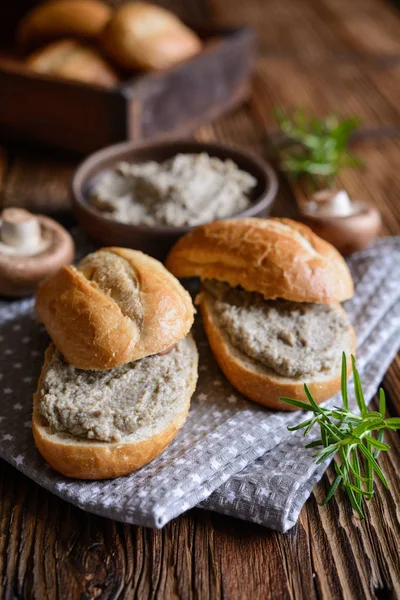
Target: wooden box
83	118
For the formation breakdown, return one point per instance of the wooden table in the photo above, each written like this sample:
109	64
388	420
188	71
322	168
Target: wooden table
321	54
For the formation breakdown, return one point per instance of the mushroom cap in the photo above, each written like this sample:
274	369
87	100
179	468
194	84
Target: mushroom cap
347	233
21	275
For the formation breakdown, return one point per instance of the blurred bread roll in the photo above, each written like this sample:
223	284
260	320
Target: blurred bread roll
144	36
73	60
56	19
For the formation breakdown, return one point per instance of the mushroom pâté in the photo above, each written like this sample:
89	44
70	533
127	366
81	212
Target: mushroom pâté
349	225
32	247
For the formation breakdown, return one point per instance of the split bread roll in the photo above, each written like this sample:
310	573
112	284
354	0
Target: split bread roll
117	306
270	306
145	36
71	59
262	383
57	19
279	258
125	417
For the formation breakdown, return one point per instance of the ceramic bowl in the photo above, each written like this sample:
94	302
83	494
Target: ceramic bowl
157	240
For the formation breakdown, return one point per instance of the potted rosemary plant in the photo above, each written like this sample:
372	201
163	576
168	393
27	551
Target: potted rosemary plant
312	152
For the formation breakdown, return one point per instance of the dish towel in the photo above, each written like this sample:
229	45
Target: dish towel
232	456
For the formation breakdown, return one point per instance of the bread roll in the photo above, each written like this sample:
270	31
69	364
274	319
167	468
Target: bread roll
63	18
267	350
145	36
278	258
85	458
73	60
118	306
259	383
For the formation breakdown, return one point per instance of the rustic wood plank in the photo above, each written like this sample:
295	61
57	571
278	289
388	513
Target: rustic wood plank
346	87
39	181
318	29
392	386
365	26
4	166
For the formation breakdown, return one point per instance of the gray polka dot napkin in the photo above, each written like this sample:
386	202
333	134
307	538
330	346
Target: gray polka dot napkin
232	456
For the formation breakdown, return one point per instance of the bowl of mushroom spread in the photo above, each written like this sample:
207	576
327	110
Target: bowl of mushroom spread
147	196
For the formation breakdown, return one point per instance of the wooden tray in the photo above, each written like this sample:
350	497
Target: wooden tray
83	118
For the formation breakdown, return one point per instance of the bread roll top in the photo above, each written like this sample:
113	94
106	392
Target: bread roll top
51	20
117	306
146	36
278	258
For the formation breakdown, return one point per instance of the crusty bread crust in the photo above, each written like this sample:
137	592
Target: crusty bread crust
146	36
90	329
278	258
81	459
261	385
63	18
71	59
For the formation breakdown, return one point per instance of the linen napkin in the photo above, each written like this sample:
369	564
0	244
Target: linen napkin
232	456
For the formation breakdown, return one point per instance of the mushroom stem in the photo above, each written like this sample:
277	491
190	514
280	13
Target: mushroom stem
20	230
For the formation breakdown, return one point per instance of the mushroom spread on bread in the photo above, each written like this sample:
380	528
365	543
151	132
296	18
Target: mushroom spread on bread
270	301
117	381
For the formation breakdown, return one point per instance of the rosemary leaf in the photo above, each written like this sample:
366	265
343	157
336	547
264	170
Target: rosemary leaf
311	399
392	423
382	402
354	441
369	470
345	396
367	453
358	389
298	404
314	150
354	464
379	437
332	489
314	444
376	443
300	425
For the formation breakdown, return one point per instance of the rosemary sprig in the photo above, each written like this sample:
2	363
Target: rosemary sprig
349	439
314	150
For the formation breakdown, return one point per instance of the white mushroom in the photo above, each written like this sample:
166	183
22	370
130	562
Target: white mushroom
31	248
350	225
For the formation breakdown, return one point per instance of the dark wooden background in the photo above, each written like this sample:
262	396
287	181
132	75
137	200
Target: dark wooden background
321	54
